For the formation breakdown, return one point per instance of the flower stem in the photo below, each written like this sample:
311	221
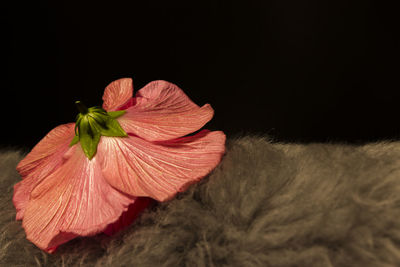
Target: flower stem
81	107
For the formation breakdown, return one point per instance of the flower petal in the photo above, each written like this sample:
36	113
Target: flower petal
127	217
117	94
47	154
162	111
44	158
73	200
159	170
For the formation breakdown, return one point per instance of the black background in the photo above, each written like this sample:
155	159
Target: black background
300	71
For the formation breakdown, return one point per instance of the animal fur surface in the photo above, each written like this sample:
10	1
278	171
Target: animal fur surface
267	204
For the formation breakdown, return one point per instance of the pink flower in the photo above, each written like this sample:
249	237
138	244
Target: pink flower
81	189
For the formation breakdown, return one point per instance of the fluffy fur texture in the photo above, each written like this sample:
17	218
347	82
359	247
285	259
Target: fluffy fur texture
267	204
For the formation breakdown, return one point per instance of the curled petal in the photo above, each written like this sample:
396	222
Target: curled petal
73	200
44	158
162	111
159	170
118	94
47	154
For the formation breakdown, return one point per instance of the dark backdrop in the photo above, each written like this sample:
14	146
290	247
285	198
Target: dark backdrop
296	70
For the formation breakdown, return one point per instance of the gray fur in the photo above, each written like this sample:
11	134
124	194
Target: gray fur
267	204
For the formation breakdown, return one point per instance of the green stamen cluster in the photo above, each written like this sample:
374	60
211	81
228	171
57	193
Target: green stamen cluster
91	124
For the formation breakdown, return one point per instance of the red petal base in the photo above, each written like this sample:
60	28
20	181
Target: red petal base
129	216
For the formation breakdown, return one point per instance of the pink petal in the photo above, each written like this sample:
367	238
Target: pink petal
127	217
118	94
159	170
162	111
74	200
44	158
48	151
